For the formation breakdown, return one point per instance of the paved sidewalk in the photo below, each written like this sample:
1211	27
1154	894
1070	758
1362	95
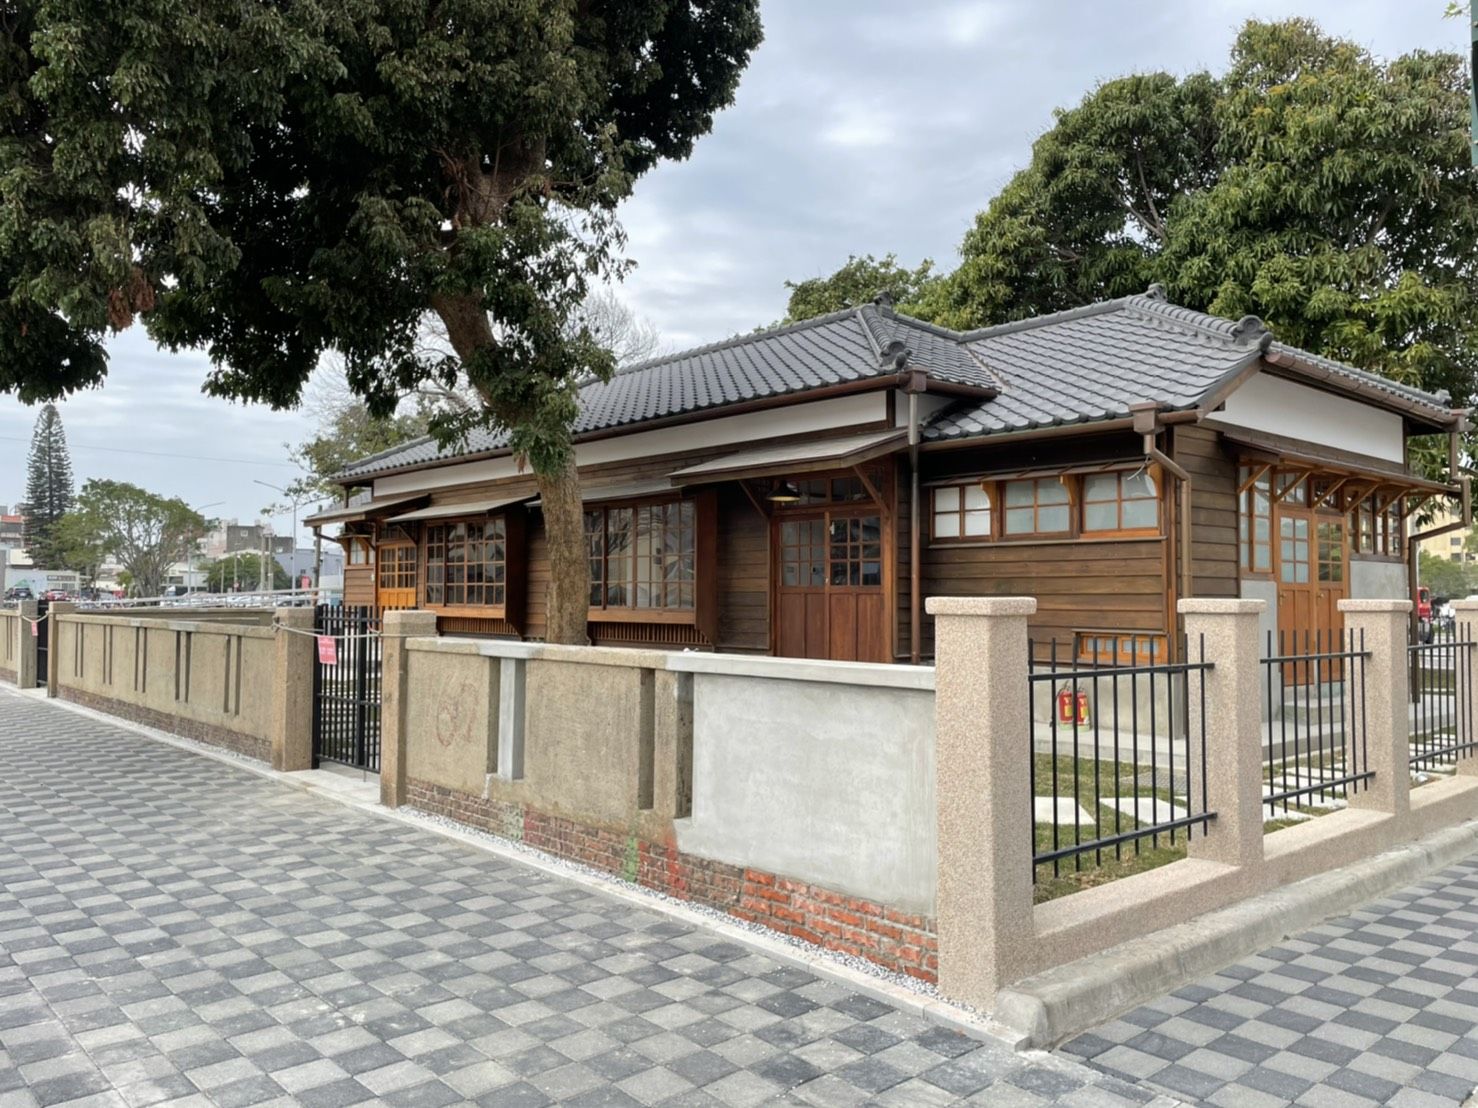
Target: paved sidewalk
173	929
1380	1007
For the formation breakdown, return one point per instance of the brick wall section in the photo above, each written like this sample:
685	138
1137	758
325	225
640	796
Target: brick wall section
896	940
250	745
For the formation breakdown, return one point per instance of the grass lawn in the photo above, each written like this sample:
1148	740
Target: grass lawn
1098	867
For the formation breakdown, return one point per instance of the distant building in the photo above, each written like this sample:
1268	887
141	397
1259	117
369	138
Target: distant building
12	528
231	537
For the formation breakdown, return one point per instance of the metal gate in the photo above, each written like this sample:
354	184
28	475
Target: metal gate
43	642
346	687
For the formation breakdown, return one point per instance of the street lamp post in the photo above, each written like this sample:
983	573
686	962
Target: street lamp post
298	502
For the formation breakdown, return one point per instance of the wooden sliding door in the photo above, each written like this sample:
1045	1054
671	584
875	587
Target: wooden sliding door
829	599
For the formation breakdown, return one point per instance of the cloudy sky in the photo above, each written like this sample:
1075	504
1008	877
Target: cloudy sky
860	126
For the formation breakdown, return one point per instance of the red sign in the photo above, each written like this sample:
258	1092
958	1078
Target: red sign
34	624
328	650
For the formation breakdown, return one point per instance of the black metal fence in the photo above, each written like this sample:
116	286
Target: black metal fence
1317	752
346	687
1441	699
42	632
1121	767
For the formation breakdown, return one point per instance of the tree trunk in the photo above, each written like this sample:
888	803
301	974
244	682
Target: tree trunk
568	596
569	560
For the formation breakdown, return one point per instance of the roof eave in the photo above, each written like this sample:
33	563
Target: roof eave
1437	419
716	411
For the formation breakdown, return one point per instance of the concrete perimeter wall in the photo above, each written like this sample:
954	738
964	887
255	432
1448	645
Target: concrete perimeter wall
211	680
11	629
796	794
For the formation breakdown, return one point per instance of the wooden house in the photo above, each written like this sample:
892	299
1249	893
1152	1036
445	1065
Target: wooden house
799	491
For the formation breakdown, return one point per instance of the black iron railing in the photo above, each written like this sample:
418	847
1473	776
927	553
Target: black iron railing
346	687
1120	767
1317	752
1441	700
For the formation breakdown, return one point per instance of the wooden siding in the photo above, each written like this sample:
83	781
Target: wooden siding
743	574
1079	584
1213	510
359	585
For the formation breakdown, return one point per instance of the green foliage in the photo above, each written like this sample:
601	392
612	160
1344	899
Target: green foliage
271	182
251	570
1313	185
1447	579
79	546
859	281
48	490
144	531
345	434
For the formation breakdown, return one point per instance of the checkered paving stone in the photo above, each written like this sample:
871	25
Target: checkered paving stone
1380	1007
177	930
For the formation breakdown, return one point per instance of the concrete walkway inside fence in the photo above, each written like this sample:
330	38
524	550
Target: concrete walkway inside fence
177	929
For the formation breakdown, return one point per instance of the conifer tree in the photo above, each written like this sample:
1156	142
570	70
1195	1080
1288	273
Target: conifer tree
48	487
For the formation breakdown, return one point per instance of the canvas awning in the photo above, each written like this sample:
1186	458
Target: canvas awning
796	457
1253	448
468	508
368	509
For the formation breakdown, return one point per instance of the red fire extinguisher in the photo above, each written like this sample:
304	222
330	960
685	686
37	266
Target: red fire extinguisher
1065	706
1082	709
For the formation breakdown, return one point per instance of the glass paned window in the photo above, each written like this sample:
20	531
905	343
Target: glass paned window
397	567
856	552
642	556
467	564
961	512
1255	523
1120	502
1036	507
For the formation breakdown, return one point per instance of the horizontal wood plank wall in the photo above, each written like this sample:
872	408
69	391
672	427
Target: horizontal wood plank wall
1112	586
743	574
1213	510
1079	584
359	585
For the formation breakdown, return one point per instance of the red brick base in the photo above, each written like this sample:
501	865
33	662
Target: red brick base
897	940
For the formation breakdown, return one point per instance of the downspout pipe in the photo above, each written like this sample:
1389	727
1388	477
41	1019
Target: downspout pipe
915	570
1148	424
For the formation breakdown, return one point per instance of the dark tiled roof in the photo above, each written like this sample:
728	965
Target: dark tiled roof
1079	366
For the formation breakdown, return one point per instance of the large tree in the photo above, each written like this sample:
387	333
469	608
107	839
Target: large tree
858	281
144	531
276	181
1312	184
48	489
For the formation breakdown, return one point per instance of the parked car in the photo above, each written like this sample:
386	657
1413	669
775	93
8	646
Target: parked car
20	592
58	594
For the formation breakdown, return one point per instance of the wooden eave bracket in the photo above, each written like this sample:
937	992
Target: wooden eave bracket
1257	476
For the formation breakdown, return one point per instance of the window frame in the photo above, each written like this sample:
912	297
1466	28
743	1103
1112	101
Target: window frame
609	613
1156	652
1068	484
1247	517
961	487
389	557
508	563
1157	498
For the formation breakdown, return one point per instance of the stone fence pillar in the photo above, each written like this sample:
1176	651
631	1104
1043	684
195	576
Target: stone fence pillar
983	744
292	689
1467	661
29	639
54	613
394	719
1232	725
1382	706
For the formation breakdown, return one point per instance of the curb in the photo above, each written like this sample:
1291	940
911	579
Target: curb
820	963
1048	1008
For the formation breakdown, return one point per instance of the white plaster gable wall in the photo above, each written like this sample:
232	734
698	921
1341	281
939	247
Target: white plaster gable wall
1281	407
745	429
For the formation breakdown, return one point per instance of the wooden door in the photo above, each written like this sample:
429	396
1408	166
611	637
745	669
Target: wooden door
829	597
397	576
1311	583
